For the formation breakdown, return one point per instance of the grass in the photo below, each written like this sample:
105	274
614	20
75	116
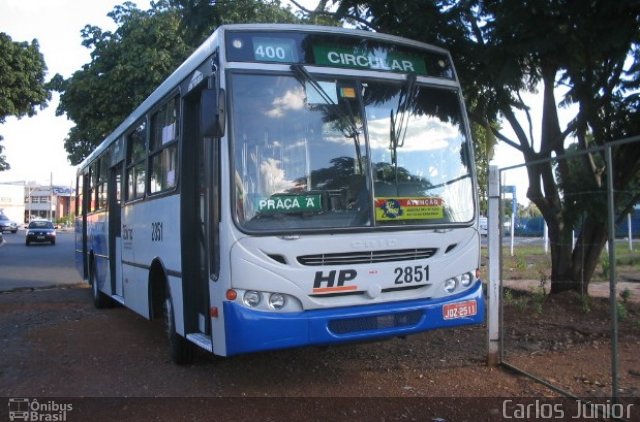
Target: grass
531	263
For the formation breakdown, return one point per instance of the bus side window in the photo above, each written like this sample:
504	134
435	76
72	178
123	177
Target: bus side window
136	162
163	149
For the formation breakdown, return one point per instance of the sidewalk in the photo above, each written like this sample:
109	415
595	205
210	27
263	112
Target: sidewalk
596	288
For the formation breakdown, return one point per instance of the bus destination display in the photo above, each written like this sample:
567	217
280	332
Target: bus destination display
274	50
336	51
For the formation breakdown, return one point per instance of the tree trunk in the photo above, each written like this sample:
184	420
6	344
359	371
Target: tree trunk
572	270
561	259
586	255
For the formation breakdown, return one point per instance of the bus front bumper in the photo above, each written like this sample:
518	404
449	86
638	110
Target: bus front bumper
251	331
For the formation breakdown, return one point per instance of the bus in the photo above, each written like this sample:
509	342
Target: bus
288	185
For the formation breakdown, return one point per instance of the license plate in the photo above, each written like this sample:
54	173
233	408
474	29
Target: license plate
460	309
40	237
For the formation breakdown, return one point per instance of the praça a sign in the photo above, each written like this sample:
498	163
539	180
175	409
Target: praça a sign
287	203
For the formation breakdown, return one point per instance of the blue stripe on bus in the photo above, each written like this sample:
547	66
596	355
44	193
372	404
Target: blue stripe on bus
248	330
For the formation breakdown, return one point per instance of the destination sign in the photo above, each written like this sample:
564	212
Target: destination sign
374	59
290	203
336	50
274	50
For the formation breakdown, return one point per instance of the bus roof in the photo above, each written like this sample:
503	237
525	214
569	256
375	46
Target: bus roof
207	48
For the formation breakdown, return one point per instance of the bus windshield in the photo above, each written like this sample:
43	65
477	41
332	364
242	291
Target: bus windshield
343	152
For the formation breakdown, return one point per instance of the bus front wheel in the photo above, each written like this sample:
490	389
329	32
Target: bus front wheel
180	348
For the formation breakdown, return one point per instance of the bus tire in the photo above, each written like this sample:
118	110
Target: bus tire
100	300
180	348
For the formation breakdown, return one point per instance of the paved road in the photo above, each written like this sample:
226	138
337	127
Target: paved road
38	265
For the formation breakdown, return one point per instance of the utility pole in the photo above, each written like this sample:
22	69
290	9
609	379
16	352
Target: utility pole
51	196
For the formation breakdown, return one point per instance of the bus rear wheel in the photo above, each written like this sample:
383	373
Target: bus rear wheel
100	300
180	348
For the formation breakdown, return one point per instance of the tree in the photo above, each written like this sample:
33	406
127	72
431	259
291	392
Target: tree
129	63
483	143
126	66
22	70
201	17
504	48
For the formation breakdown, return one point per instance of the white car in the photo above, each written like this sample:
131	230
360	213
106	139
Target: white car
7	225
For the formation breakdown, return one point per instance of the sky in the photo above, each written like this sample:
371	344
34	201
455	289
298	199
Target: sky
34	147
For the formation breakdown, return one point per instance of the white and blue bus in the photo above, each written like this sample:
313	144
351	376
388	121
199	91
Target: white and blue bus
288	185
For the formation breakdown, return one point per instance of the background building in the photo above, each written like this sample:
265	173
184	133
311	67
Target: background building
22	201
12	201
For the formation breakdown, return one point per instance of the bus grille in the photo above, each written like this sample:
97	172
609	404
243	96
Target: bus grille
367	257
380	322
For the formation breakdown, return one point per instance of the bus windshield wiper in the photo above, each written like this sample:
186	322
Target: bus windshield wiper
399	122
348	124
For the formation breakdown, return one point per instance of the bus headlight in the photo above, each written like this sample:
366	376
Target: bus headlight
265	301
450	285
466	279
251	298
277	301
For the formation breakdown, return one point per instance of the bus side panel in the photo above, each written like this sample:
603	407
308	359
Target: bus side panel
98	242
150	234
136	288
79	253
118	267
177	300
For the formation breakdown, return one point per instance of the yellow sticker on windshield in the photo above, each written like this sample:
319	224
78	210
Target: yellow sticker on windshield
347	92
393	209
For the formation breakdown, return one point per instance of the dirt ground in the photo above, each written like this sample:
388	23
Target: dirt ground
113	365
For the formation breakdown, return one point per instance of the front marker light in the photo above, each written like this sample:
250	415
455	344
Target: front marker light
277	301
466	280
450	285
251	298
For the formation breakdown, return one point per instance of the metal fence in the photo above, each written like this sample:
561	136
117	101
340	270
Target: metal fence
584	346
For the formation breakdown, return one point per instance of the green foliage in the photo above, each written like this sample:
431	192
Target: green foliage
519	302
503	49
125	68
22	89
605	266
484	143
129	63
539	296
529	211
519	262
585	303
199	18
622	311
65	221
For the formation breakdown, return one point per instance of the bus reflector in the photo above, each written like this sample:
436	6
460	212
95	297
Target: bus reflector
232	294
213	312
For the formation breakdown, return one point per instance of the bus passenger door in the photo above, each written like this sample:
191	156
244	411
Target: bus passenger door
115	228
194	209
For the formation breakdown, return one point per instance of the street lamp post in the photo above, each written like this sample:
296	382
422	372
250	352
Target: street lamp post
29	190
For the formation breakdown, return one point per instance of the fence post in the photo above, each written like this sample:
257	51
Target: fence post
493	292
613	292
630	231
